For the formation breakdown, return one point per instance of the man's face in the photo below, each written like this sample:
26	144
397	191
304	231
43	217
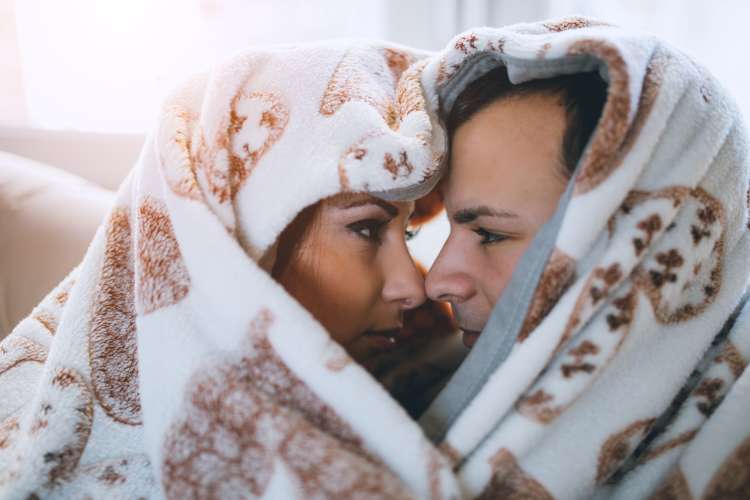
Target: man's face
505	180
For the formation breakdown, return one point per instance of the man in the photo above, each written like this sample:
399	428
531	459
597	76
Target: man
513	149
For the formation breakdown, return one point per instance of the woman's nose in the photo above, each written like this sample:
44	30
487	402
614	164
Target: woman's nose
404	283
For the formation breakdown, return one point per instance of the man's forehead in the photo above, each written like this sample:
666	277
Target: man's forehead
457	191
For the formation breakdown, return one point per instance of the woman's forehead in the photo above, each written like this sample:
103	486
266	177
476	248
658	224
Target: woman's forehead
353	200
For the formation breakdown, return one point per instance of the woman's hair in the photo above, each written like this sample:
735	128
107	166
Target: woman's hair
583	94
293	237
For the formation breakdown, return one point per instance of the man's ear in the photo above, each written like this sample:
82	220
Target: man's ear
268	259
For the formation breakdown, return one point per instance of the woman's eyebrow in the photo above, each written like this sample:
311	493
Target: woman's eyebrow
469	214
392	210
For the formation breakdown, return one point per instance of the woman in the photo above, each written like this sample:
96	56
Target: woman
213	342
364	238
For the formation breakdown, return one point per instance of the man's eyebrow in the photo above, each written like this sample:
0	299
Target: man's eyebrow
391	209
469	214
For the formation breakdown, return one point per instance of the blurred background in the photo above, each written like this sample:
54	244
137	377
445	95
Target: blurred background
103	65
81	80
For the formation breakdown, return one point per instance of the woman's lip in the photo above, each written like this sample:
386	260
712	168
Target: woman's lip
384	339
470	337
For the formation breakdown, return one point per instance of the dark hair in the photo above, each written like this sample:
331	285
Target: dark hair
583	94
292	238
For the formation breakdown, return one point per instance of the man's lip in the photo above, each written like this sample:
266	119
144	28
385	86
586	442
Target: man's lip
470	337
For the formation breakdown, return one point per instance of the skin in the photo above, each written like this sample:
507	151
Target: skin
353	271
505	179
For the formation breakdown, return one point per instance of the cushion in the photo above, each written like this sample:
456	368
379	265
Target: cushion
47	219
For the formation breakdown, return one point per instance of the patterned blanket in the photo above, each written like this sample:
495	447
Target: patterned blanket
168	364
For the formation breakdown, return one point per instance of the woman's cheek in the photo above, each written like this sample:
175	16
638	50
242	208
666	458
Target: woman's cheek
349	292
357	283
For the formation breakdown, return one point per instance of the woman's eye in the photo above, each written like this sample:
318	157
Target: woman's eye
411	233
489	237
367	229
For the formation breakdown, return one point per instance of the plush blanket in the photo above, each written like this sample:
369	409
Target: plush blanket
169	364
625	377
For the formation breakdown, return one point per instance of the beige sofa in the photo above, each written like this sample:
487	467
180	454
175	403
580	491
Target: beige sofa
50	211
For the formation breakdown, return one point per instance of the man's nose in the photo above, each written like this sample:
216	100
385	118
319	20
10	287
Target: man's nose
448	280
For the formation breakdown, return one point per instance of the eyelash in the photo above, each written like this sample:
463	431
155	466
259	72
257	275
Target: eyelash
489	237
375	226
372	225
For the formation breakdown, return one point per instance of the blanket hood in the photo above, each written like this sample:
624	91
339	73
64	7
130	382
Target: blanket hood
274	130
622	292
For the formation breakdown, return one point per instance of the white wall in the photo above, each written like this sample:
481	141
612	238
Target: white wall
103	65
12	96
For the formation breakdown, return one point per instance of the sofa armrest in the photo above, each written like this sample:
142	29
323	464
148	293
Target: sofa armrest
47	219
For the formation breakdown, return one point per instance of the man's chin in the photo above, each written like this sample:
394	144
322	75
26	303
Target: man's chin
470	337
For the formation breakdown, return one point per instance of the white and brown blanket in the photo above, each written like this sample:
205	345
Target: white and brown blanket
168	364
627	378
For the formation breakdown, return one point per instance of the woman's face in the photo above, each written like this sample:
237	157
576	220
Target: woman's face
352	270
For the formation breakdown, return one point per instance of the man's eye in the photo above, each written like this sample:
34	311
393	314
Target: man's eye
489	237
411	233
